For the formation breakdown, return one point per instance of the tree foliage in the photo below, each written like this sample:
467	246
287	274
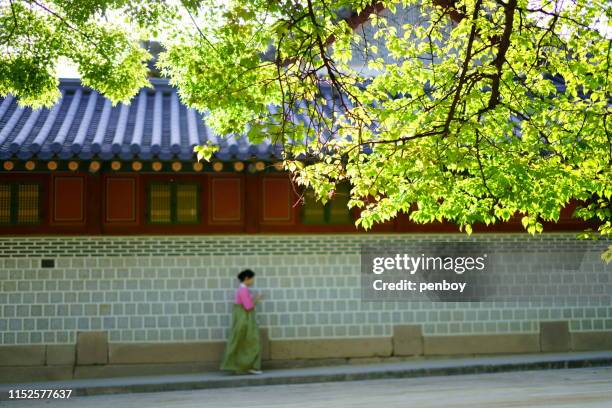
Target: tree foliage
101	37
470	112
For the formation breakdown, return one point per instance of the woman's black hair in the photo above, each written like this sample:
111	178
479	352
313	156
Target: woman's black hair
247	273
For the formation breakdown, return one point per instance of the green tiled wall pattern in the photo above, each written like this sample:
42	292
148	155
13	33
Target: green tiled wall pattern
167	288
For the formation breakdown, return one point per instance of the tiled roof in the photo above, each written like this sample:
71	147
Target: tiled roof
155	125
84	125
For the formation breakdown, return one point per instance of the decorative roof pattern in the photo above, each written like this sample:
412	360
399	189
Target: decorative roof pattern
84	125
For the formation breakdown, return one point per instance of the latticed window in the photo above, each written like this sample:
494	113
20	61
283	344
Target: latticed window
160	203
5	203
186	203
173	203
335	211
19	203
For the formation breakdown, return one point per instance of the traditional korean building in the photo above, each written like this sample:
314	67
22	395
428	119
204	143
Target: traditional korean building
119	251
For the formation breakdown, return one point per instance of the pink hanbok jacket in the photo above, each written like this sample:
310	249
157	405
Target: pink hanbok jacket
243	297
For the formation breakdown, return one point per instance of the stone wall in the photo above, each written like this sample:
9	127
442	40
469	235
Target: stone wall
179	288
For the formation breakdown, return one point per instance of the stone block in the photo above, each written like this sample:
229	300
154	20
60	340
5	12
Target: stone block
148	353
92	348
481	344
138	370
330	348
60	354
32	355
554	336
585	341
10	375
407	340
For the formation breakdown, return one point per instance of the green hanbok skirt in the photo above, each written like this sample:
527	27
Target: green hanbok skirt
243	348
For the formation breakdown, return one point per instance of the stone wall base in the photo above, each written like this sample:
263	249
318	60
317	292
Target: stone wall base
94	357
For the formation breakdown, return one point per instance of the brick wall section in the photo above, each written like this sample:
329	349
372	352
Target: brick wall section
174	289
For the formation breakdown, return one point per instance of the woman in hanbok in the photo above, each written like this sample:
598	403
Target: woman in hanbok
243	349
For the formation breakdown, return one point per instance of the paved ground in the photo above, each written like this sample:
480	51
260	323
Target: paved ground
582	387
410	368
